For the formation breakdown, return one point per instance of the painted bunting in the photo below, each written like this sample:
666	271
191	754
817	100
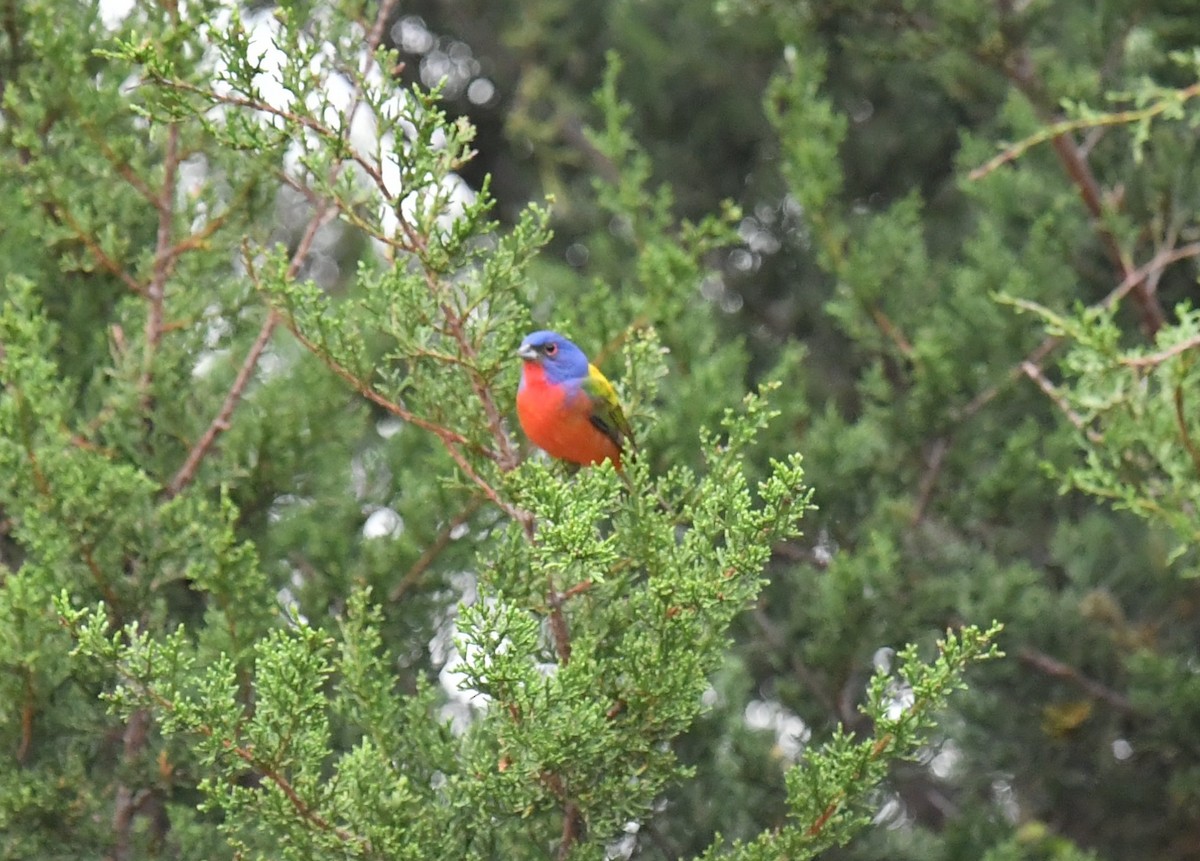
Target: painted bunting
566	406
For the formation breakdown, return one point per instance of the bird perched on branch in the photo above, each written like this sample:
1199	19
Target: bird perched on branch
566	406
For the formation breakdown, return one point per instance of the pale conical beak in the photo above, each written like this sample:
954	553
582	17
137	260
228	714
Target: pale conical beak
527	352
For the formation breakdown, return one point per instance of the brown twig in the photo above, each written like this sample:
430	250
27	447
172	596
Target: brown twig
578	589
60	212
112	602
1184	434
892	332
572	829
1152	269
780	646
1051	391
560	632
127	801
285	786
877	750
431	553
164	262
1067	127
220	423
99	139
1163	355
1059	670
933	469
507	457
1021	72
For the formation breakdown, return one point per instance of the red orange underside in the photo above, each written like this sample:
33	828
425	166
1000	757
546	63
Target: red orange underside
557	420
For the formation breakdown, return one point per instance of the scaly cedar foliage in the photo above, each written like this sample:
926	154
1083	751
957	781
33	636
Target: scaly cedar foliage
979	220
256	459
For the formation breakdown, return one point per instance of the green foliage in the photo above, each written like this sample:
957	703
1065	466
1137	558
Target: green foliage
830	790
278	579
259	488
1131	407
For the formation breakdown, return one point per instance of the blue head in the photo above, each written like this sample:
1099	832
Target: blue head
559	357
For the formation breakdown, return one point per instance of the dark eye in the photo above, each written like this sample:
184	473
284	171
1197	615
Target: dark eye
551	348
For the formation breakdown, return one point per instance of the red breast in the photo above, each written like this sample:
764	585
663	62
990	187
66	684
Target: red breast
556	418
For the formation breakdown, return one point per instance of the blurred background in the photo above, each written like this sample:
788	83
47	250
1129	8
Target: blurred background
942	474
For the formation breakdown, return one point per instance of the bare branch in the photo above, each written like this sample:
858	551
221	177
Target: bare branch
1151	270
1163	355
1184	434
431	553
107	263
325	212
1067	127
933	469
220	423
1056	668
187	472
164	261
1051	391
507	457
1021	72
127	801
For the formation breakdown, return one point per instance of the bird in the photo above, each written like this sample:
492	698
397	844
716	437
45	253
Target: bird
566	406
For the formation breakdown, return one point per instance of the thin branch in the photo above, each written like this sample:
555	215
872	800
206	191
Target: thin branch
111	600
99	139
1021	72
933	469
447	436
880	747
163	261
780	645
127	801
220	423
431	553
107	263
1152	269
375	34
573	824
1059	670
1184	433
1051	391
560	632
285	786
507	457
1066	127
571	831
572	130
198	240
1158	358
892	331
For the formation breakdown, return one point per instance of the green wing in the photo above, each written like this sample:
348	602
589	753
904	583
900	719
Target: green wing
607	414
